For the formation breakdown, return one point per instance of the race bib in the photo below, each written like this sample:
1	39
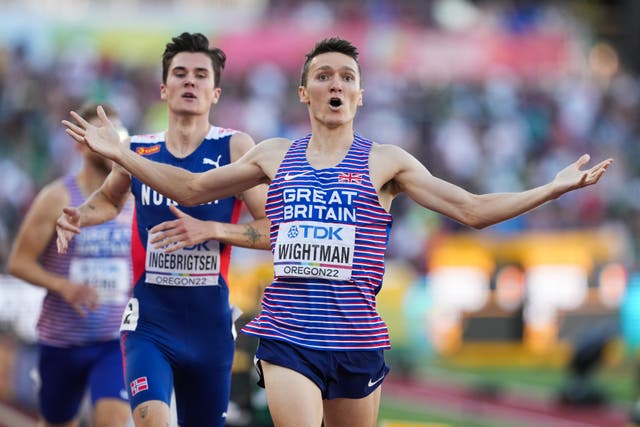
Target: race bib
194	266
311	249
130	316
109	276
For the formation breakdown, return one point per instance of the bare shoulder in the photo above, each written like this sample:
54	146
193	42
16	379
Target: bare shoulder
50	200
269	153
276	146
55	192
241	142
387	159
381	150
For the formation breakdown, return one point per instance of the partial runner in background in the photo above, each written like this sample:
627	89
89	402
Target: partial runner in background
87	291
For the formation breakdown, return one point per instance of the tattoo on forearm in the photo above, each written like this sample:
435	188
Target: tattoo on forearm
91	206
253	236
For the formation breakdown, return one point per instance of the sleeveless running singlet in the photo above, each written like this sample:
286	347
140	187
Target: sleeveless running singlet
328	235
98	256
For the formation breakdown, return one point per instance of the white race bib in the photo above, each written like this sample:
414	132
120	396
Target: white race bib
109	276
130	316
315	250
196	266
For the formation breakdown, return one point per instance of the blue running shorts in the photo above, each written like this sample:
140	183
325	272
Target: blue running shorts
65	374
202	384
338	374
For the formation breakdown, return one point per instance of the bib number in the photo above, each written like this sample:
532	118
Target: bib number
130	316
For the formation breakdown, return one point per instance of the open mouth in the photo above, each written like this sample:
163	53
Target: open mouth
188	95
335	102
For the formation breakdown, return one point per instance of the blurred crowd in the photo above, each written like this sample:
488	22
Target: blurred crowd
499	133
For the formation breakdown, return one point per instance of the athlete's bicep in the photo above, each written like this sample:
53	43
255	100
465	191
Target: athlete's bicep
117	186
255	198
239	145
415	180
38	226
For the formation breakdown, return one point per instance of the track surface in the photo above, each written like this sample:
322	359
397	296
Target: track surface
509	409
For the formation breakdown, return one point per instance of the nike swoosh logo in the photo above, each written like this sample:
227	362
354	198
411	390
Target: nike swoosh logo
289	177
372	383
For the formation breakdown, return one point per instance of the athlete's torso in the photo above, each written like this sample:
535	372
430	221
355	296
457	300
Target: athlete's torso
329	235
98	256
189	285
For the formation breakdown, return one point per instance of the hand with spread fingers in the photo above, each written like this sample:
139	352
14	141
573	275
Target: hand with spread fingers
104	139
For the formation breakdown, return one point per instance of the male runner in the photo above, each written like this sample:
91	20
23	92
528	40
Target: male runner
177	330
87	290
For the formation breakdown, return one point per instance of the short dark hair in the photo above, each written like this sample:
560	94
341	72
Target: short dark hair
193	42
333	44
88	110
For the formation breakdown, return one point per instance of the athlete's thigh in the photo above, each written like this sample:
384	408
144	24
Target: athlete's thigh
344	412
63	379
203	377
293	399
202	394
106	383
148	377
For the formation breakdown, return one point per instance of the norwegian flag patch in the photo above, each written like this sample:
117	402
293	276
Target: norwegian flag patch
138	385
350	177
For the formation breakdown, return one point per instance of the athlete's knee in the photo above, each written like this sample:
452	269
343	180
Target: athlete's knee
152	413
111	413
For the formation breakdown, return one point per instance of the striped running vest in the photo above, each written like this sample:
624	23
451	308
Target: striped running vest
100	256
329	235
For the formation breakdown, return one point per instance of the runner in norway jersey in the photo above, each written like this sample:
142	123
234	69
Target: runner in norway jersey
180	307
328	236
177	331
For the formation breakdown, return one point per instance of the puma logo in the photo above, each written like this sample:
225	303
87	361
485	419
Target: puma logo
208	161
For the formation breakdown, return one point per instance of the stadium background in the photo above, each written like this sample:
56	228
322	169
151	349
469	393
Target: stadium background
531	322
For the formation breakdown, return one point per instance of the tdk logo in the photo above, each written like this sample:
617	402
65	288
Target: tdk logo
316	232
198	247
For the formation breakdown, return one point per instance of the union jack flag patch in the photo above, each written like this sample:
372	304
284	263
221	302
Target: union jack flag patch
350	177
138	385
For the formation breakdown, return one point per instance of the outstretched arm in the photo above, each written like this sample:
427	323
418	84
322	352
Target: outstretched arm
103	205
188	231
478	211
186	188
